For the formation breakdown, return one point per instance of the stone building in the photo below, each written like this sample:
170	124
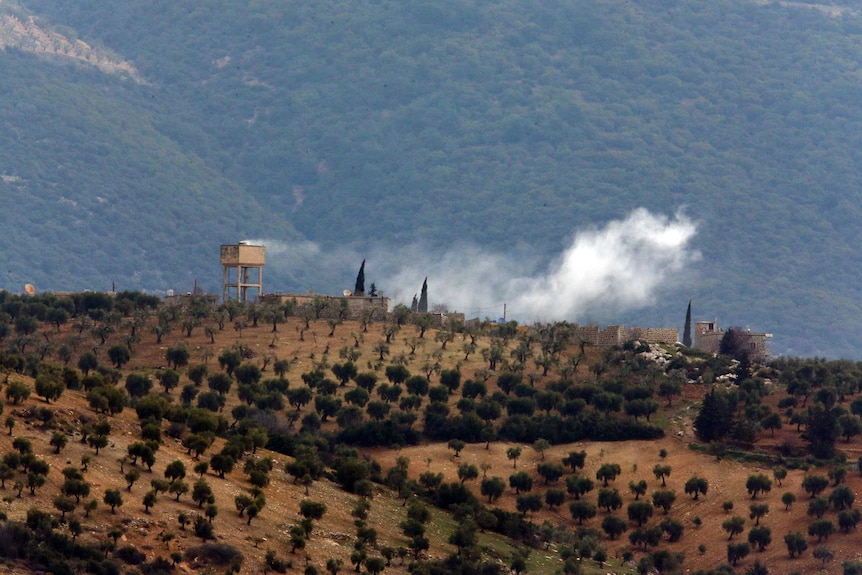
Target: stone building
440	318
707	337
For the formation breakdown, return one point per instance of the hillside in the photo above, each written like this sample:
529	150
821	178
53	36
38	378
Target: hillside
387	130
293	428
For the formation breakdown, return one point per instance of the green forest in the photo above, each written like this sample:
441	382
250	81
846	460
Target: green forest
500	124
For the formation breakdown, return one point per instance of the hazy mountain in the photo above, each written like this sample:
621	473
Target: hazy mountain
408	131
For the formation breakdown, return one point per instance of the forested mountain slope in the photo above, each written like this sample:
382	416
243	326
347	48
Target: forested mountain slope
509	125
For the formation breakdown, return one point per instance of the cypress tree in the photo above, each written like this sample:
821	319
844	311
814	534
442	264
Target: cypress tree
686	333
423	298
823	430
714	421
414	307
359	288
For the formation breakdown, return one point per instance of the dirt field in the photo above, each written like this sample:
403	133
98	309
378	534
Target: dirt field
726	483
334	535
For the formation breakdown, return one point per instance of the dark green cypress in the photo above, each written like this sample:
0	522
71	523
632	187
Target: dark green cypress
423	297
359	288
686	333
714	421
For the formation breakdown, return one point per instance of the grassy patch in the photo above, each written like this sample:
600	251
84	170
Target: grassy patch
611	566
761	458
494	545
442	525
662	420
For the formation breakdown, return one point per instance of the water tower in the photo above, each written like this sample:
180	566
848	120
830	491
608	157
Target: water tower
243	270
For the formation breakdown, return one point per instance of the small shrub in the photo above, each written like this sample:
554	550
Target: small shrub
600	556
176	430
214	554
159	566
130	555
274	563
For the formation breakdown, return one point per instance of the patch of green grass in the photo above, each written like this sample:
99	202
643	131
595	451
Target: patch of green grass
540	560
493	545
759	457
388	511
496	546
610	566
663	422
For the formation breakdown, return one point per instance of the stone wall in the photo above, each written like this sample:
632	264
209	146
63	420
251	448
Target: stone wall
354	305
588	333
186	300
612	335
617	334
666	335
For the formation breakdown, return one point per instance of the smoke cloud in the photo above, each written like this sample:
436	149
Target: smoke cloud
624	265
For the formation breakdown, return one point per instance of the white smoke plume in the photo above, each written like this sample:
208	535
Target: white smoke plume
621	266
